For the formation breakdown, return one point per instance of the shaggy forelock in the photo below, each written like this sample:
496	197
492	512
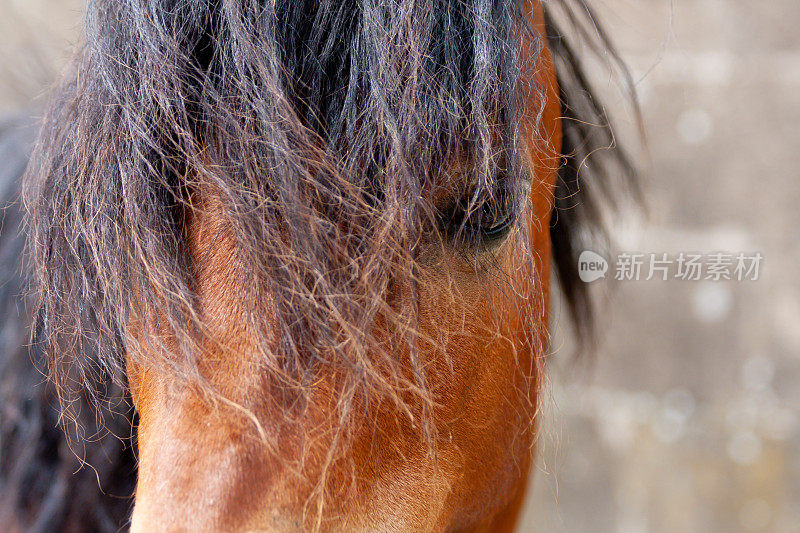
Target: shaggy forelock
322	129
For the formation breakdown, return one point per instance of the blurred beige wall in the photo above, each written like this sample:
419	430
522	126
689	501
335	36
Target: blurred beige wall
690	419
35	39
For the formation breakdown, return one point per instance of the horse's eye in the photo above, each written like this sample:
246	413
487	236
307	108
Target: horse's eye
489	222
484	224
494	227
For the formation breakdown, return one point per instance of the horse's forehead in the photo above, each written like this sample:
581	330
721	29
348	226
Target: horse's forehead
474	345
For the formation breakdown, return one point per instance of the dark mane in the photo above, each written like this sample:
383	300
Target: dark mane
322	129
597	175
48	480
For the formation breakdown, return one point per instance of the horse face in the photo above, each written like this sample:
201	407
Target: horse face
204	464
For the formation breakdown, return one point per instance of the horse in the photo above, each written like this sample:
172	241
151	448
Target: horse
288	264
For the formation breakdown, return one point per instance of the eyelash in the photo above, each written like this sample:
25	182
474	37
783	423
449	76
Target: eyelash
487	224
